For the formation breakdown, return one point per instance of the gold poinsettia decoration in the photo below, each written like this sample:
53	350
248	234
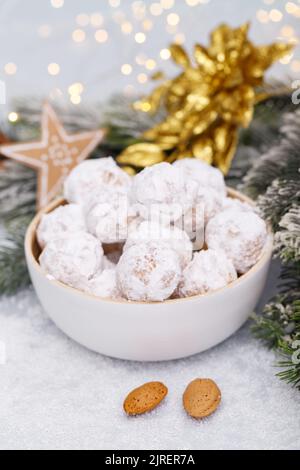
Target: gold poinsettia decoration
207	102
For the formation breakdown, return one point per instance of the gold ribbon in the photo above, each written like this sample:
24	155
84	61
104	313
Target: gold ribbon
206	104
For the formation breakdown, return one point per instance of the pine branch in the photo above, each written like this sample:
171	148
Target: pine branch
287	239
275	179
13	269
280	162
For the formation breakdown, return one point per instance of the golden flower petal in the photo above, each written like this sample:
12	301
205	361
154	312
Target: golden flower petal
203	60
141	155
203	149
223	159
179	55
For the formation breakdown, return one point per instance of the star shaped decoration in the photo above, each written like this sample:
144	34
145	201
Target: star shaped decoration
55	155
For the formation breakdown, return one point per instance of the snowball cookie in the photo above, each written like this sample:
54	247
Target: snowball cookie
60	223
205	175
73	260
107	263
193	223
148	272
175	238
163	192
236	204
242	235
91	174
104	284
109	216
209	270
212	202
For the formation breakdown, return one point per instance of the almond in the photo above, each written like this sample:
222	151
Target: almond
201	398
145	398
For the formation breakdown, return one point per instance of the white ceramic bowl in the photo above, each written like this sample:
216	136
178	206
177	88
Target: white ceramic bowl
148	331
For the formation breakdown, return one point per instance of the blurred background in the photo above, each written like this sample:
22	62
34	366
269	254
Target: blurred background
75	51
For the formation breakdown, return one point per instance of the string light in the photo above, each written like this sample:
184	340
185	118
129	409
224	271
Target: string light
114	3
142	78
167	4
173	19
262	16
140	38
147	25
10	68
150	64
76	88
96	20
82	19
13	117
53	69
192	3
127	27
101	35
126	69
293	9
156	9
139	10
75	91
78	35
275	15
57	3
287	31
295	66
44	31
179	38
75	99
165	54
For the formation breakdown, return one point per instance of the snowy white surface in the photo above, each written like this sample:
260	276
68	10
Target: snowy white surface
54	394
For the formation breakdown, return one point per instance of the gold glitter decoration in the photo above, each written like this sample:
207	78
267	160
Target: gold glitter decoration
208	102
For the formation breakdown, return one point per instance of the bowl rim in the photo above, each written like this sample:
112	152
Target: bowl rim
30	237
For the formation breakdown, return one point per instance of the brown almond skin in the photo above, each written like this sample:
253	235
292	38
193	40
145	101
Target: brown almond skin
201	398
145	398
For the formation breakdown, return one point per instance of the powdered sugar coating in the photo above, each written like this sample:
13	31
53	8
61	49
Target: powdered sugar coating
209	270
211	200
92	174
107	263
242	235
148	272
60	223
205	175
175	238
104	285
163	190
193	223
109	216
230	203
73	260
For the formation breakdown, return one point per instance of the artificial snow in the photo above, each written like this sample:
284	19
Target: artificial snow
55	394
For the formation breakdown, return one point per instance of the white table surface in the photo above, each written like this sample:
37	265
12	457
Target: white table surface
54	394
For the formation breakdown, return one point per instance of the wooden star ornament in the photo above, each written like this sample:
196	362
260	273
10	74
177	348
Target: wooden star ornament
55	155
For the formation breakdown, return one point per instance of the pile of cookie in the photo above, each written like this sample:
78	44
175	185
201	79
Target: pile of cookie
169	232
